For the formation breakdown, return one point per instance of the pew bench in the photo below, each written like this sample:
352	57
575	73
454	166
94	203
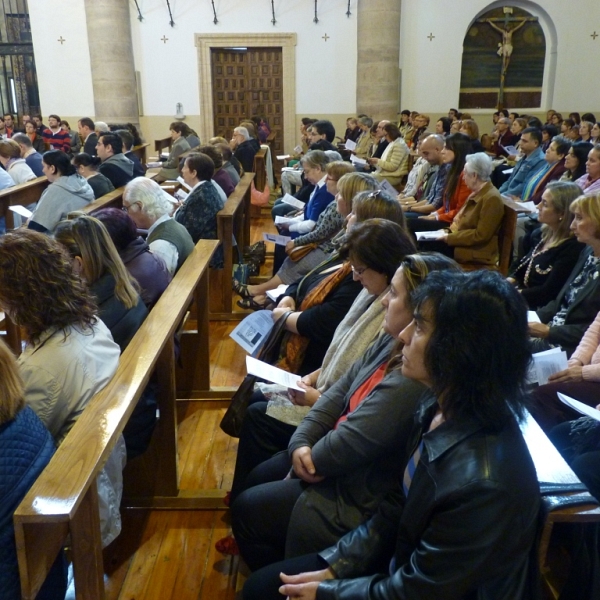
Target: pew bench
141	152
23	194
63	501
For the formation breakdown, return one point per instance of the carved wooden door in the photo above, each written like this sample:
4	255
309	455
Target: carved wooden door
246	83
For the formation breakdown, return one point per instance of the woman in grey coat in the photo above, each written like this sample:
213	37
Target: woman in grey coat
345	453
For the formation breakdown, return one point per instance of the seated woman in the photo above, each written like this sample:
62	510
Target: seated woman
16	167
590	182
198	214
554	169
470	483
36	140
267	429
87	166
353	437
342	182
393	164
542	272
580	380
68	191
148	269
472	237
470	129
69	355
575	161
456	192
150	208
585	131
220	176
25	449
170	168
121	308
595	139
565	319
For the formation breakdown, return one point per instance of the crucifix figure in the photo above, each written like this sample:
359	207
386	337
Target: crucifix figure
505	47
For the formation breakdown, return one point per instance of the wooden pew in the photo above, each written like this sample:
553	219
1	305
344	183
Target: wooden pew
551	467
260	170
160	145
233	219
63	501
24	194
141	152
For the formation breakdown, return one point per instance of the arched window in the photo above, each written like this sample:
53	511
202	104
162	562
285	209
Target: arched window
503	61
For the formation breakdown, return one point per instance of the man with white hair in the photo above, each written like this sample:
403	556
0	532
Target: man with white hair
101	127
243	148
150	208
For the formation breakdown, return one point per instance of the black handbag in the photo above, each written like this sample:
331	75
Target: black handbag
232	420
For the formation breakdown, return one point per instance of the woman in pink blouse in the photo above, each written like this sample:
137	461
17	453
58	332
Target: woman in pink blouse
590	182
580	380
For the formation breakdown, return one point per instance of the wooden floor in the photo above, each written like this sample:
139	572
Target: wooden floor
170	554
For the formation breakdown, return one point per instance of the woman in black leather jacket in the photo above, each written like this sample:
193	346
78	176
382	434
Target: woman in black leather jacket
464	526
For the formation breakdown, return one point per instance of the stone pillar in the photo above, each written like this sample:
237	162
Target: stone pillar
111	54
378	66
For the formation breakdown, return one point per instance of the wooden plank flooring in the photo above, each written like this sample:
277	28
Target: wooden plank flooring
170	554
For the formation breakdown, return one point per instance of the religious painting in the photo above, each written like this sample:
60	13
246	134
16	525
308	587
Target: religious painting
503	61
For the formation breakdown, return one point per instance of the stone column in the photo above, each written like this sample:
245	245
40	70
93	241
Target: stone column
111	54
378	66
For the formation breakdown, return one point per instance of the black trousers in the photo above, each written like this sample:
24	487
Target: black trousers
260	515
261	438
264	584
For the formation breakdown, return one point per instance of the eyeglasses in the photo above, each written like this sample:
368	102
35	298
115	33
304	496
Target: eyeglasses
359	272
126	208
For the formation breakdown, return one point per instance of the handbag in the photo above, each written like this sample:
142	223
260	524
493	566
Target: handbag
300	252
232	420
240	270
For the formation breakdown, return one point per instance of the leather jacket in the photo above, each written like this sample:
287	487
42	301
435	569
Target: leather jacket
466	530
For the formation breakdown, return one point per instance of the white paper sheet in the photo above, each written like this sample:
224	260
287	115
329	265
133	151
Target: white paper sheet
184	184
253	330
350	145
21	210
280	240
282	156
273	374
532	317
298	149
527	207
280	219
357	161
153	165
387	187
549	362
289	199
274	294
430	235
512	150
179	195
580	407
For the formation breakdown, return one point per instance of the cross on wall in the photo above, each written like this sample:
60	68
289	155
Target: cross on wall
326	37
61	40
430	37
594	36
164	39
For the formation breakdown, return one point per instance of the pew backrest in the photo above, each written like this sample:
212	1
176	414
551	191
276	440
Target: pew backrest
24	194
160	145
260	170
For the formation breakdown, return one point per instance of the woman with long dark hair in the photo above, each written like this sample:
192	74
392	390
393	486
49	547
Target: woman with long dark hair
456	148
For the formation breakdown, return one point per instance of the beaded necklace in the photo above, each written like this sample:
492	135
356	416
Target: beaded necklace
534	254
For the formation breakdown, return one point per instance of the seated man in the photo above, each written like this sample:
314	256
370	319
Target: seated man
243	148
115	165
429	193
150	208
88	134
56	136
380	142
31	156
533	159
127	138
503	137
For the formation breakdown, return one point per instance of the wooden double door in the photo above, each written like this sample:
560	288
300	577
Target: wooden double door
248	82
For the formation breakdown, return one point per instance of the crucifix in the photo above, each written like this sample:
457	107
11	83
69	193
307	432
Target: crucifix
505	47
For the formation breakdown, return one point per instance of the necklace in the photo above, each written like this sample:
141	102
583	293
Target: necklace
539	249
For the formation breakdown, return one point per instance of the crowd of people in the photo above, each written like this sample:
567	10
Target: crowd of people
387	472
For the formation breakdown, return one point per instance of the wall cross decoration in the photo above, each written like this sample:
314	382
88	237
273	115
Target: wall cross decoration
326	37
430	37
594	36
61	40
164	39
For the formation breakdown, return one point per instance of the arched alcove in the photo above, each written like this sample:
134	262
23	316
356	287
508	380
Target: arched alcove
528	65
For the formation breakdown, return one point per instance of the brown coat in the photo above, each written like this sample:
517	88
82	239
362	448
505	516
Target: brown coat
478	222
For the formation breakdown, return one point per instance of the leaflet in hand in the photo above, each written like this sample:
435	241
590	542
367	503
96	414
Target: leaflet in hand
279	219
350	145
298	149
512	150
280	240
547	363
532	317
184	184
430	235
153	165
386	186
251	333
280	289
357	161
21	210
269	373
580	407
289	199
179	195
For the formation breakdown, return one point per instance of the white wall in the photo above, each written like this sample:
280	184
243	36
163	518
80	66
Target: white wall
431	69
63	70
325	71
